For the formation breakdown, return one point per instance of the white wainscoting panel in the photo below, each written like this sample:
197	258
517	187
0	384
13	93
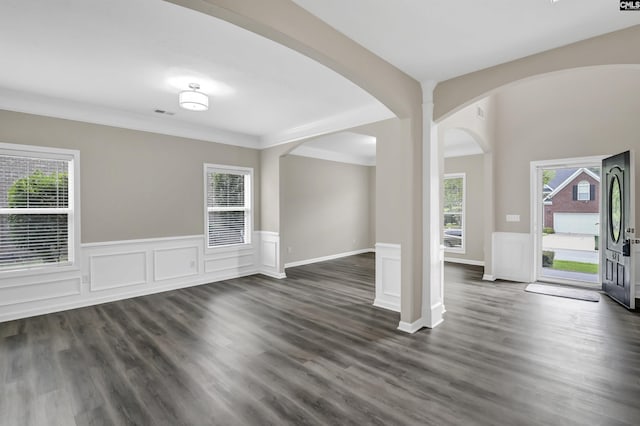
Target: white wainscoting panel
175	262
512	256
113	270
388	276
39	290
234	261
117	270
270	254
229	263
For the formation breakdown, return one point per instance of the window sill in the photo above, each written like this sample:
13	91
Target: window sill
454	250
232	248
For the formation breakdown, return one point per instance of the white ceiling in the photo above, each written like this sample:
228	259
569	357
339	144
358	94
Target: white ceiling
344	147
459	143
114	62
356	148
438	40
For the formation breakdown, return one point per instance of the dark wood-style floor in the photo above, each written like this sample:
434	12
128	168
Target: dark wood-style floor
311	349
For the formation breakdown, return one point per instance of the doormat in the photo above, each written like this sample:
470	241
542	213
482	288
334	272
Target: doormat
571	293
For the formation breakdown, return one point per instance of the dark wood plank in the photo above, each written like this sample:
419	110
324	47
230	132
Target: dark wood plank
311	349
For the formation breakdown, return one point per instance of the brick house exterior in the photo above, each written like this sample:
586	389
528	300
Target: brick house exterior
565	198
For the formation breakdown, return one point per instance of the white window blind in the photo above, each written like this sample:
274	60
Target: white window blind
36	209
228	200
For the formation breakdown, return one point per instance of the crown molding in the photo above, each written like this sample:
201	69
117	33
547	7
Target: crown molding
323	154
345	120
48	106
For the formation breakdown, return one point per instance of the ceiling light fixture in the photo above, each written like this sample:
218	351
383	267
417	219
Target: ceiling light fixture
194	100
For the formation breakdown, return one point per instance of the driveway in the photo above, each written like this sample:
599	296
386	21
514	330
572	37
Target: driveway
580	242
577	255
567	275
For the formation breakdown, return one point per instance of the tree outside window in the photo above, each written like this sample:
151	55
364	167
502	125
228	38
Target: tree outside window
453	209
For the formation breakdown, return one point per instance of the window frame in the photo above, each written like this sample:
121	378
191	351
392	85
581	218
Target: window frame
221	168
463	221
73	210
587	184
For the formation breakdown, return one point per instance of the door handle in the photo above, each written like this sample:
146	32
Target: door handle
626	248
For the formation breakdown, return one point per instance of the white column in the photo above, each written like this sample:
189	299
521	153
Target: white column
432	279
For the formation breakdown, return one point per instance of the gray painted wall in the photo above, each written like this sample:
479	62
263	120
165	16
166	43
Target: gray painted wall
325	207
572	114
133	184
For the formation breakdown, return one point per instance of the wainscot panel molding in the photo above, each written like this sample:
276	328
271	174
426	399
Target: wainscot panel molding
269	254
113	270
512	256
388	276
325	258
117	270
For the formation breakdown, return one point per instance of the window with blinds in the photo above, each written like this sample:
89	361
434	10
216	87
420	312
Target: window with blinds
36	209
454	212
228	202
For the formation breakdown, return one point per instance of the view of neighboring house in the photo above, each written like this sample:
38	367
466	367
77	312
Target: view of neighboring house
572	206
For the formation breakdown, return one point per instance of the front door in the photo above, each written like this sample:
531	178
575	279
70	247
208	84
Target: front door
617	229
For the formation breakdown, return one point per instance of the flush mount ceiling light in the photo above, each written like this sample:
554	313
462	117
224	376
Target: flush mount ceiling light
194	100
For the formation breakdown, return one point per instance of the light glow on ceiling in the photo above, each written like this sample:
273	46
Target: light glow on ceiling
181	80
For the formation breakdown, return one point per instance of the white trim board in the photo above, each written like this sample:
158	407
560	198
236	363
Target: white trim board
412	327
268	254
416	325
325	258
388	276
464	261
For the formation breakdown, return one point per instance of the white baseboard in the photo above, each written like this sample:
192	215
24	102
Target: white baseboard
486	277
325	258
464	261
434	317
385	304
411	327
277	276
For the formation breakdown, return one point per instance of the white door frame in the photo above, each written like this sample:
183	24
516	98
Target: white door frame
536	168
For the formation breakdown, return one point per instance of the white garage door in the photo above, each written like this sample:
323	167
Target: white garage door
576	223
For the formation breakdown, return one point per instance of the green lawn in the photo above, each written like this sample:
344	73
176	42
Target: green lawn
569	265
